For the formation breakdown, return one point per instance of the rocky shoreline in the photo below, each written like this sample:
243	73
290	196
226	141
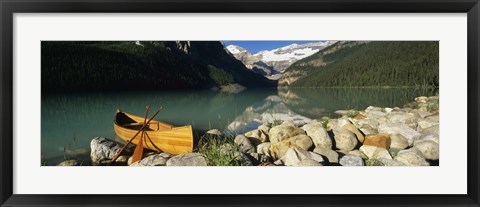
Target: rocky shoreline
375	136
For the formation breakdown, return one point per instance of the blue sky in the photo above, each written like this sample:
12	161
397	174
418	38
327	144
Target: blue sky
256	46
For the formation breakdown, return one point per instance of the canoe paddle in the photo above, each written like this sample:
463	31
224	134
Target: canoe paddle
138	152
145	124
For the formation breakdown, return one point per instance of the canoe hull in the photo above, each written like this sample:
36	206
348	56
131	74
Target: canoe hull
163	137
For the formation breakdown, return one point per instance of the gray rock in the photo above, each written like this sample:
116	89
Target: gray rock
408	119
388	162
344	139
264	149
373	152
425	123
244	144
366	124
357	153
257	134
402	129
188	159
411	157
282	132
154	160
303	141
103	149
295	155
309	163
69	163
319	135
215	132
279	149
398	141
351	160
428	148
331	155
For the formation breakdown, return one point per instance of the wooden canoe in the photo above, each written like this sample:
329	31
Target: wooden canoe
165	137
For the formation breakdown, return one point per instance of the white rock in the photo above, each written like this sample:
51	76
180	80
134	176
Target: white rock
351	160
295	155
390	162
282	132
345	140
319	135
309	163
398	141
402	129
264	148
188	159
373	152
154	160
103	149
257	134
244	144
331	155
428	148
411	157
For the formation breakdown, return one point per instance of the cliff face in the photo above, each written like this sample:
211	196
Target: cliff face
79	66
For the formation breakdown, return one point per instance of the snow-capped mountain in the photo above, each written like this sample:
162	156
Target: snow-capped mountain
235	49
251	62
283	57
276	60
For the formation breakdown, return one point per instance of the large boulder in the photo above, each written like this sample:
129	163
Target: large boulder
352	128
344	139
351	160
402	129
319	135
411	157
303	141
279	149
154	160
282	132
408	119
309	163
244	144
103	150
294	156
188	159
330	154
367	126
264	148
398	141
428	148
389	162
257	134
376	153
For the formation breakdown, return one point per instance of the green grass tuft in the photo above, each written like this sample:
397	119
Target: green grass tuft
220	151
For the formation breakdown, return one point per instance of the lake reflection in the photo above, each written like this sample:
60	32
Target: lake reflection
70	121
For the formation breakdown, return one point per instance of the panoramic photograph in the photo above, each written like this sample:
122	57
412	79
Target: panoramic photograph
240	103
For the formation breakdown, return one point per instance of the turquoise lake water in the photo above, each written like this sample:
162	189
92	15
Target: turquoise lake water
70	121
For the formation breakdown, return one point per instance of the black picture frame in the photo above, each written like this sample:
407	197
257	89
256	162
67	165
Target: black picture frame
9	7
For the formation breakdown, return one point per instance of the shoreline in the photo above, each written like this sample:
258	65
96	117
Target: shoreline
375	136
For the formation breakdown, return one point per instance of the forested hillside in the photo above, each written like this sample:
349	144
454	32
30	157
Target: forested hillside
97	66
364	64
